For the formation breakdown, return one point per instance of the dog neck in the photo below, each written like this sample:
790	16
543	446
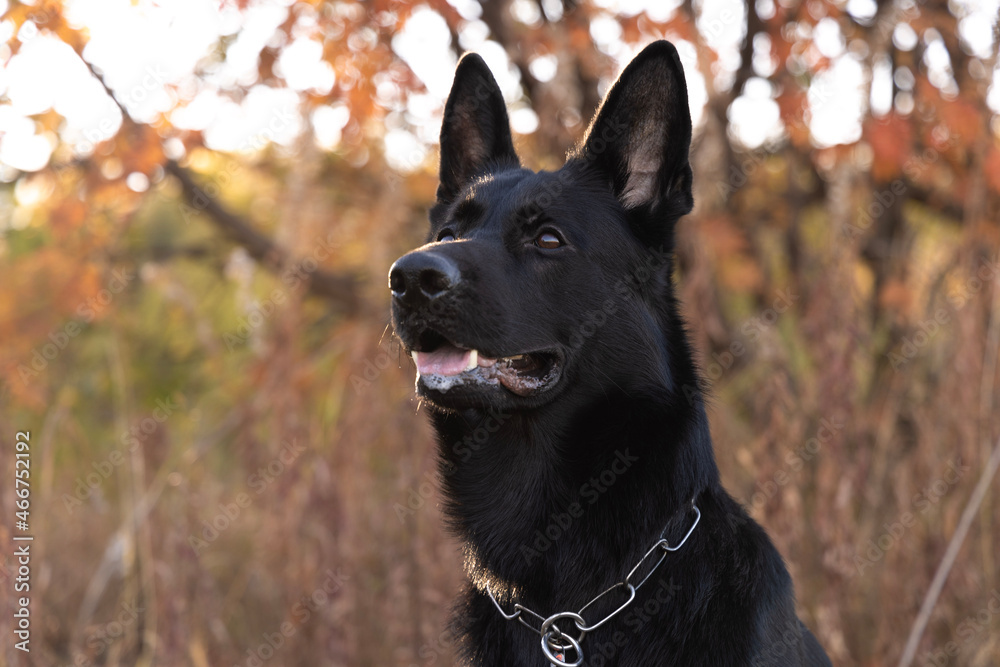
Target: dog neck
532	494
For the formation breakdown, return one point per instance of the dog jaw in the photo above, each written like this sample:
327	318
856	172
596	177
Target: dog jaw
448	366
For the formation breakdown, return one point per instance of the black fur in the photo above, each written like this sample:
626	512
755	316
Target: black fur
559	493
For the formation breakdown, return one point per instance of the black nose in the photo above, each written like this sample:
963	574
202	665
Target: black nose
421	276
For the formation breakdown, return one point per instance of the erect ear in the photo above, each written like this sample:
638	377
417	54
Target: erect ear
475	132
640	136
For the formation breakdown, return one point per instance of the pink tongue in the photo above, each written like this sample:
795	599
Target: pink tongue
446	360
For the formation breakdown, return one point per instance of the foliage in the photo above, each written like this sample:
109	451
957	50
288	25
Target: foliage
222	419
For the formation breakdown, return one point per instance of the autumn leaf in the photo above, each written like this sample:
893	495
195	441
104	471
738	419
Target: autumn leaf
791	107
249	344
964	121
891	141
48	121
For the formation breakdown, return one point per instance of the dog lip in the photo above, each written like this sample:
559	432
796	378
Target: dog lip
531	381
430	340
443	363
483	358
523	374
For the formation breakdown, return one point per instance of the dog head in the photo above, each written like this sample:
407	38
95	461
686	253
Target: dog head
530	280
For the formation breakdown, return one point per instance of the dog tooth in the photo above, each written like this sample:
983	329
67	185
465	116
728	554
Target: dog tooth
414	355
473	360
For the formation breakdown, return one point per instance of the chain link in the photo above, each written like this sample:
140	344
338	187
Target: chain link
556	642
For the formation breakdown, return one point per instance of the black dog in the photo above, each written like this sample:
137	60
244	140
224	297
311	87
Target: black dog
575	451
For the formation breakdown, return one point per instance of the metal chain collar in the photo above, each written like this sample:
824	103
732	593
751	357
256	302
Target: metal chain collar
556	643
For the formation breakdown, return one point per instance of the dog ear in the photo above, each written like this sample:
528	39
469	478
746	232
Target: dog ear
641	134
475	132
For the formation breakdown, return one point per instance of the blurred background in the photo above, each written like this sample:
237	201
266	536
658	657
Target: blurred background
199	202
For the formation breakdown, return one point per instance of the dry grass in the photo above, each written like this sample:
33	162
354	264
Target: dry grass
829	445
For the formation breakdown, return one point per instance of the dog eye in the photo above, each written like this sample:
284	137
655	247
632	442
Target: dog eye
446	235
548	241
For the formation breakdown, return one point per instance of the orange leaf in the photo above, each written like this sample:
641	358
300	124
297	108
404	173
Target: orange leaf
48	121
891	139
791	106
69	214
963	120
631	32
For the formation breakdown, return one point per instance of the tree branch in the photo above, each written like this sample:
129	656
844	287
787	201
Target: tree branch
753	25
340	288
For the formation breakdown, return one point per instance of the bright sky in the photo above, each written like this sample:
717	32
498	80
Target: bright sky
145	46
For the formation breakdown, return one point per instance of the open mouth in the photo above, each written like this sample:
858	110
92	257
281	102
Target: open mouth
443	365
